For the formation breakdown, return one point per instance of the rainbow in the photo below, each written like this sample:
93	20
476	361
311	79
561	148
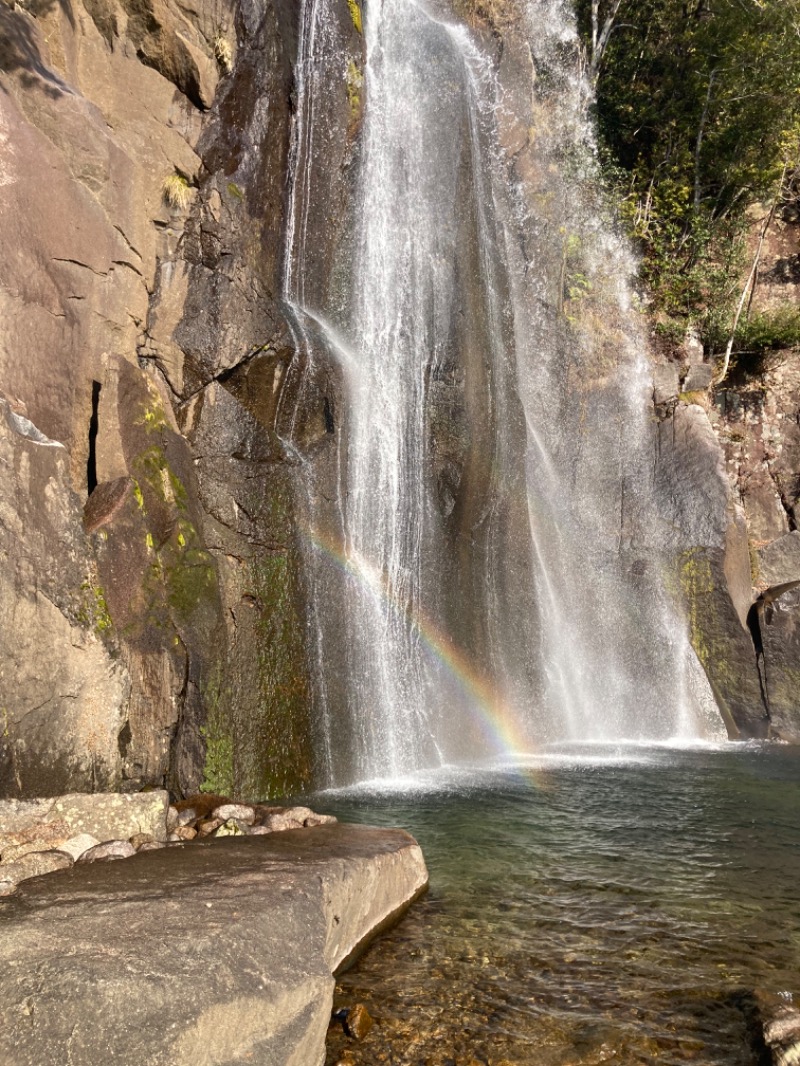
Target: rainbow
495	717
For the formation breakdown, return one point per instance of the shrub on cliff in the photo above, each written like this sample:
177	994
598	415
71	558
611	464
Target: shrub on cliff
698	105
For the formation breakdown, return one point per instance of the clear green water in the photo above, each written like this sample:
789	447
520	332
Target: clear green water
606	908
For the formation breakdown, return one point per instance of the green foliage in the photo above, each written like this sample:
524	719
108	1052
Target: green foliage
93	612
218	768
759	337
698	105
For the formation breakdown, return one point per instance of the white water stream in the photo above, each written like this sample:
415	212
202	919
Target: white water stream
482	570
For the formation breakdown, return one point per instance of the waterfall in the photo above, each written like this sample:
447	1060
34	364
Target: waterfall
485	563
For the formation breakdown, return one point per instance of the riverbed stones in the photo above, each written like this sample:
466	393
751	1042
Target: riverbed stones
271	918
180	824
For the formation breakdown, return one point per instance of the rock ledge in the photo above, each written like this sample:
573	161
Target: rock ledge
218	952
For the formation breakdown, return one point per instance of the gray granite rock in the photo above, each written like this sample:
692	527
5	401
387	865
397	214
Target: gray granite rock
257	924
240	811
103	815
78	845
109	849
779	562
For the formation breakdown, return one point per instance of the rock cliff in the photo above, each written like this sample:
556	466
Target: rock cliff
149	507
146	507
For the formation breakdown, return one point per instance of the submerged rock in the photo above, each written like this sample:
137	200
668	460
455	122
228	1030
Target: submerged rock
781	1020
357	1021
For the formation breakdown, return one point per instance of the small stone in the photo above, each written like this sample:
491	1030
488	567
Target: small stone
7	887
240	811
230	829
35	864
151	845
172	818
188	816
141	838
207	827
183	832
357	1022
109	849
320	819
258	830
78	845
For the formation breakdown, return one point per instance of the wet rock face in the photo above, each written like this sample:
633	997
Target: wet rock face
711	578
779	631
147	528
756	420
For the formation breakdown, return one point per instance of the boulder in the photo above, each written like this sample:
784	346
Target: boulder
265	920
104	815
35	864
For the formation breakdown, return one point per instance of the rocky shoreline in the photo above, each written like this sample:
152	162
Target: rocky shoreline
42	836
200	952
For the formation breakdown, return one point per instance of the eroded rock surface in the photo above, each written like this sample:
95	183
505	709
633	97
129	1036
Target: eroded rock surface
257	925
146	513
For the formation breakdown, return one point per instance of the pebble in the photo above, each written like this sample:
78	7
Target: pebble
230	829
208	826
186	817
259	830
141	838
7	887
238	811
109	849
78	845
182	832
357	1022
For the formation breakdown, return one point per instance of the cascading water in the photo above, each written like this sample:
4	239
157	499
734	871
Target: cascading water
481	538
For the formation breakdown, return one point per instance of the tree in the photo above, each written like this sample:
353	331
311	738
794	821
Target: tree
698	105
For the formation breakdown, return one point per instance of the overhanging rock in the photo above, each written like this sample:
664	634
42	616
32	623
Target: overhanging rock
206	954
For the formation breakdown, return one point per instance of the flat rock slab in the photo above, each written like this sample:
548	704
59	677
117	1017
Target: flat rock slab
210	953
